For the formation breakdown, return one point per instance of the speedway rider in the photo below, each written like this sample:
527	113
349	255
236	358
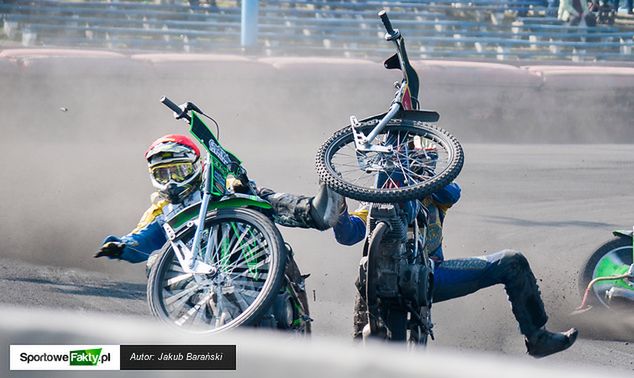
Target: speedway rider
176	173
458	277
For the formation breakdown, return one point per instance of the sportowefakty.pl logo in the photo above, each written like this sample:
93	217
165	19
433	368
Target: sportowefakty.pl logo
85	357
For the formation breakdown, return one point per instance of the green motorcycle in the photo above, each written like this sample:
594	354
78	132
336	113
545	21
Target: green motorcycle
607	278
225	263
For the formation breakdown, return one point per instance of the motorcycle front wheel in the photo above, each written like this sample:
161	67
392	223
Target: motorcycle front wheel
422	159
248	256
611	259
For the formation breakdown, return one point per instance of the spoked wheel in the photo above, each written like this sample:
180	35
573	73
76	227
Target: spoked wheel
248	257
422	159
611	259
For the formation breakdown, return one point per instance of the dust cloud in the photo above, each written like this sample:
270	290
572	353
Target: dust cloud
73	176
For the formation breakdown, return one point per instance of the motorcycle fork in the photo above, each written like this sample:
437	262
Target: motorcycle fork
189	258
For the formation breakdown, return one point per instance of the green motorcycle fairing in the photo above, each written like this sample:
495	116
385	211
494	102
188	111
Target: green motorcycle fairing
177	224
222	162
606	266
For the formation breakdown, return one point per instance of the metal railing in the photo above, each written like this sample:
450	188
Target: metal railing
433	28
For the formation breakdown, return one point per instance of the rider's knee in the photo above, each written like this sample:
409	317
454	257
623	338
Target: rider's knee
515	259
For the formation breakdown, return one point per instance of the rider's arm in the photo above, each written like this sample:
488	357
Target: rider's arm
350	228
147	237
447	196
142	242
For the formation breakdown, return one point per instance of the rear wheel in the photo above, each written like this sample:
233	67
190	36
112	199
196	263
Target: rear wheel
388	318
385	318
422	159
248	256
375	320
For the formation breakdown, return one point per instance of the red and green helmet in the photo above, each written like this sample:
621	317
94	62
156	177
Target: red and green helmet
175	168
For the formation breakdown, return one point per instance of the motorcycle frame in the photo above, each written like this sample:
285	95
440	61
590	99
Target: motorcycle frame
406	97
405	104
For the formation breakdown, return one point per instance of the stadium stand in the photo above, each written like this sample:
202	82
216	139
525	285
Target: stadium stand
470	29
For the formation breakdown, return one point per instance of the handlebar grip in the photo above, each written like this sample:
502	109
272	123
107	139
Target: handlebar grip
175	108
386	22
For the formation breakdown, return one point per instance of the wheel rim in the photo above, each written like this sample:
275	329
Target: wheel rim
410	163
241	256
615	262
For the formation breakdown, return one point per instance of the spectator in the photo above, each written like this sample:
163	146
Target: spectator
576	13
605	14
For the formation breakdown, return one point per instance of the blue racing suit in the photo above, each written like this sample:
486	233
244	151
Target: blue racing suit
457	277
148	236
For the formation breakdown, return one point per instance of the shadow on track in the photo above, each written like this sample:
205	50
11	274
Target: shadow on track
124	290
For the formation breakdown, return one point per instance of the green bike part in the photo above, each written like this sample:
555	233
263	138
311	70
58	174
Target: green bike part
178	221
199	129
607	267
298	308
248	255
221	160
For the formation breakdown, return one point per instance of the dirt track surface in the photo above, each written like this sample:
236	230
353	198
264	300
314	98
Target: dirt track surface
72	177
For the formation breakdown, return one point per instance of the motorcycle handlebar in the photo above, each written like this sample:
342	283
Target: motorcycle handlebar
386	22
167	102
180	113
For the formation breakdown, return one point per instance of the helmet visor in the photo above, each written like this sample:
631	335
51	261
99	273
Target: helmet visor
176	172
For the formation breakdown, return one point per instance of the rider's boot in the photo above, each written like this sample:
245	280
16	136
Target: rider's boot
320	212
513	270
543	342
326	207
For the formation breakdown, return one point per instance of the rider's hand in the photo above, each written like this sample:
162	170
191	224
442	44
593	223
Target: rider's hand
240	184
112	250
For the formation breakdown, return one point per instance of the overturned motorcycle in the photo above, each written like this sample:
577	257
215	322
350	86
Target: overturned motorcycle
225	264
391	161
607	278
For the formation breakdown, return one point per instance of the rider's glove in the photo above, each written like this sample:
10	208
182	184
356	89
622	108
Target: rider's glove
112	249
240	183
